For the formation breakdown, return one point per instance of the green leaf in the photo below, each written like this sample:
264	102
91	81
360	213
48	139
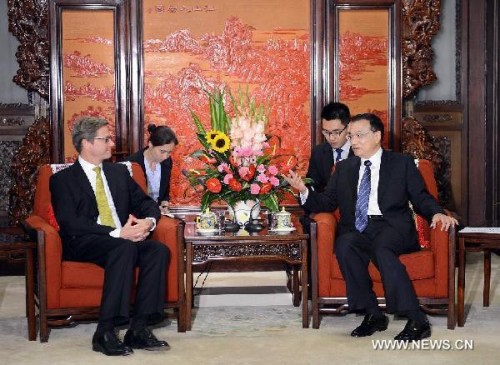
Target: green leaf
198	124
203	141
271	202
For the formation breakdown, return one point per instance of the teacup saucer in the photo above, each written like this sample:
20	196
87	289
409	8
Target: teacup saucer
207	231
283	230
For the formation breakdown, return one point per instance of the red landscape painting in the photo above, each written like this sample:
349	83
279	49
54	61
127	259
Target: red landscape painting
193	47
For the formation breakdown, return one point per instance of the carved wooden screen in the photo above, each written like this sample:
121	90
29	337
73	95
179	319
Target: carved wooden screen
192	46
363	61
88	73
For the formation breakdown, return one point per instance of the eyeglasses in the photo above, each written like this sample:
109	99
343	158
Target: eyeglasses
359	135
334	133
105	139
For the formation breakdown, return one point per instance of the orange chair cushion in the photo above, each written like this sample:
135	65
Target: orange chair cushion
419	265
81	275
52	217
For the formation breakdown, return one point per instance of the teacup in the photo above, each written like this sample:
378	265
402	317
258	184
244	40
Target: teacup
281	220
207	220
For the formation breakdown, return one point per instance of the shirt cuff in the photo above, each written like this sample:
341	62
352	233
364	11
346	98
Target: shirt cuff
154	223
115	233
304	196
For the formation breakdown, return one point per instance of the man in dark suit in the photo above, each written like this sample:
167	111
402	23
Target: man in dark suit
372	191
334	120
106	218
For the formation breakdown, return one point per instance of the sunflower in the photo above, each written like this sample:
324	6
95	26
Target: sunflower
210	135
221	142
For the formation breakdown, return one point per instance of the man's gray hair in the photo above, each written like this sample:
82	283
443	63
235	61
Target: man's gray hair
86	128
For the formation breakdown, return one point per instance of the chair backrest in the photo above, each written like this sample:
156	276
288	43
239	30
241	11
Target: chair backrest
42	205
423	229
427	172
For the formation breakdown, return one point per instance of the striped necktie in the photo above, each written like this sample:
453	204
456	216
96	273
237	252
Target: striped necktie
361	214
102	201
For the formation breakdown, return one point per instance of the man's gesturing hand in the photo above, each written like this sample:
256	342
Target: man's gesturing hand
295	181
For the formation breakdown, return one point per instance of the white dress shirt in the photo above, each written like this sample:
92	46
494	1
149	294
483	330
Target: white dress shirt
373	208
154	178
345	151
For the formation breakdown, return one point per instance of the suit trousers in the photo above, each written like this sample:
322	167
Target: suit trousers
381	244
119	258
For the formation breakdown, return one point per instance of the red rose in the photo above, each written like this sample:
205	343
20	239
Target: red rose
213	185
265	188
235	185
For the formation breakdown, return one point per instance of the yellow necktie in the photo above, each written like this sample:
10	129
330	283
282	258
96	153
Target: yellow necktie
102	200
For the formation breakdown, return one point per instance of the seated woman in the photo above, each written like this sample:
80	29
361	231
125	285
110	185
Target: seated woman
156	162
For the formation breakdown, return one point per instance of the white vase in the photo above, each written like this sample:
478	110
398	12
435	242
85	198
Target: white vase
242	210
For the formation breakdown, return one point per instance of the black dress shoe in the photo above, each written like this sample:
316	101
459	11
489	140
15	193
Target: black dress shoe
414	331
370	325
144	339
109	344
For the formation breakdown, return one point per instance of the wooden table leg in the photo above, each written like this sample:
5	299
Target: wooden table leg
305	309
30	294
487	276
189	284
295	286
461	282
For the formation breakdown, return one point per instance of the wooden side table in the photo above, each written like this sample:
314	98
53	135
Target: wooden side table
474	241
14	247
235	247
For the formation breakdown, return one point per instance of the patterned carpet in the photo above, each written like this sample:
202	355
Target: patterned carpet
261	335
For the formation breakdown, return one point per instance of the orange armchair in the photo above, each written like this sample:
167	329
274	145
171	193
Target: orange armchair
431	270
70	291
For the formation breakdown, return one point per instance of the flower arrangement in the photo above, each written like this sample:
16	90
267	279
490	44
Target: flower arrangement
240	161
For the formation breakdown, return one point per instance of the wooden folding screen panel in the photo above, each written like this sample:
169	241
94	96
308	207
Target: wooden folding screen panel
89	53
363	60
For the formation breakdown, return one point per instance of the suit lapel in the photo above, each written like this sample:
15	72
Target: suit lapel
327	160
384	173
111	179
353	174
163	179
81	179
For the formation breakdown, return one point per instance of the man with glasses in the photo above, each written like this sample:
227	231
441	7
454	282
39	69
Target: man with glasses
105	218
372	192
334	120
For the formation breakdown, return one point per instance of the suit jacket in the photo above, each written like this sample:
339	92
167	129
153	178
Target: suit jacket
166	171
75	205
400	182
321	164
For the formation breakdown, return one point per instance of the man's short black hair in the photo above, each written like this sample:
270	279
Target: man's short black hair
375	122
336	110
